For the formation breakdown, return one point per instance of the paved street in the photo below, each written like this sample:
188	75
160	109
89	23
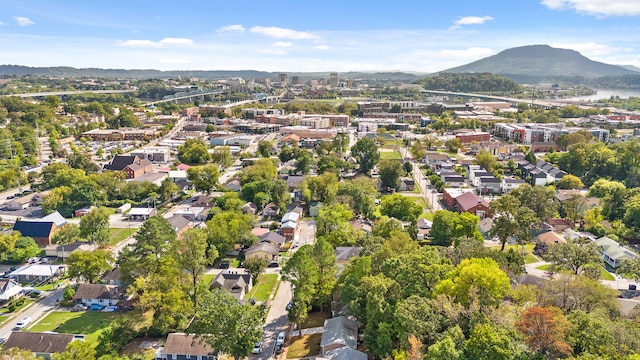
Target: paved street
35	311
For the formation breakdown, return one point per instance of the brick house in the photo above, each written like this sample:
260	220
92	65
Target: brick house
133	166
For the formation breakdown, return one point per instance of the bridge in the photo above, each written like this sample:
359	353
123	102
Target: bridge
71	92
185	95
514	102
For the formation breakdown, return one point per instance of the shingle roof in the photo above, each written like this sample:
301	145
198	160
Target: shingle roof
345	353
614	250
54	217
273	237
95	291
178	222
290	216
44	343
119	162
340	330
183	344
263	246
232	282
468	200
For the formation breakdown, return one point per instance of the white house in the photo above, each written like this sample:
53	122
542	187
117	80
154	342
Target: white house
105	295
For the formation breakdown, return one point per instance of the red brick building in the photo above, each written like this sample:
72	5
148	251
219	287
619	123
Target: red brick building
468	138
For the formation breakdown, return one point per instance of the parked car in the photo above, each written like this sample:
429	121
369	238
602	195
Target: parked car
110	309
96	307
289	305
280	338
224	264
24	322
80	307
279	348
295	244
273	264
257	348
2	340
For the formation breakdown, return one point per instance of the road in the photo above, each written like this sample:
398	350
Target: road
430	195
46	303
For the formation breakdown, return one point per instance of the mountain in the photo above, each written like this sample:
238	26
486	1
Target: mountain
631	67
542	61
66	71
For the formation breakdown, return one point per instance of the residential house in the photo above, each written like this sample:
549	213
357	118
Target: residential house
343	353
453	180
179	224
345	253
263	250
537	177
290	225
35	273
203	201
9	289
233	185
434	158
155	178
362	225
63	251
42	345
473	204
112	277
270	210
236	284
550	237
133	166
192	213
314	208
407	184
83	211
561	225
105	295
249	208
272	237
293	181
613	253
339	332
260	231
489	185
485	225
509	184
180	346
41	231
424	228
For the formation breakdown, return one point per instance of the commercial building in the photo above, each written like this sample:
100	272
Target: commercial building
159	154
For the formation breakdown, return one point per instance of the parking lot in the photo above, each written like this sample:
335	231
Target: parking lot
31	211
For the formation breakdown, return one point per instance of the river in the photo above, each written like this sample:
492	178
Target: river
607	93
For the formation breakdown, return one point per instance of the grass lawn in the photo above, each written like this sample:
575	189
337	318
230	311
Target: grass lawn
89	323
262	290
420	202
304	346
117	235
426	215
4	318
604	274
315	319
528	251
45	287
390	155
206	279
27	301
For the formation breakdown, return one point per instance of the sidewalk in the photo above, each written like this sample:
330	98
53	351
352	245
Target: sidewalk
309	331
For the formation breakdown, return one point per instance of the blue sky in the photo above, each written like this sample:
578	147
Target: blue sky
320	35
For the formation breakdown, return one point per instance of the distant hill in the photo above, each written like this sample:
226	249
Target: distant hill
631	67
65	71
541	61
484	83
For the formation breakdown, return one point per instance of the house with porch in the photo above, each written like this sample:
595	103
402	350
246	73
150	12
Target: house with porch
613	253
339	332
105	295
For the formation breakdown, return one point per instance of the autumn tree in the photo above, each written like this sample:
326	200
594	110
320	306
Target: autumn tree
545	331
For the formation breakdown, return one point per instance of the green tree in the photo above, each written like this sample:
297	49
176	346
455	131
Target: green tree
263	169
68	293
570	182
448	227
194	151
94	226
366	153
333	224
303	163
193	254
226	229
89	265
228	326
489	342
222	156
66	234
573	255
630	269
511	219
486	160
204	178
168	189
390	171
541	199
359	194
480	278
264	148
453	145
325	262
303	275
77	350
24	248
340	142
604	187
321	188
255	267
400	207
17	354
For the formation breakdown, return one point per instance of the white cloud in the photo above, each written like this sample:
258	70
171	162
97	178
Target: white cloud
470	53
282	43
23	21
231	28
273	52
2	23
176	41
157	44
596	7
282	33
322	47
471	20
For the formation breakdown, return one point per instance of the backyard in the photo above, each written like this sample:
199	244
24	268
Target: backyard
528	251
89	323
117	235
304	346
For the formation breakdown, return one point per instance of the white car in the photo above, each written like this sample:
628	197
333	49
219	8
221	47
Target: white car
257	348
280	338
24	322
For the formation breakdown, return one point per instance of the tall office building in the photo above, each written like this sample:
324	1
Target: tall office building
333	80
295	80
282	78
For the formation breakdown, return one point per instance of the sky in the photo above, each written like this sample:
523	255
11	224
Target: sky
320	35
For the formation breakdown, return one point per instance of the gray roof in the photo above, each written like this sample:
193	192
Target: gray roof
273	237
263	246
42	343
345	353
183	344
340	330
178	222
55	218
614	250
96	291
